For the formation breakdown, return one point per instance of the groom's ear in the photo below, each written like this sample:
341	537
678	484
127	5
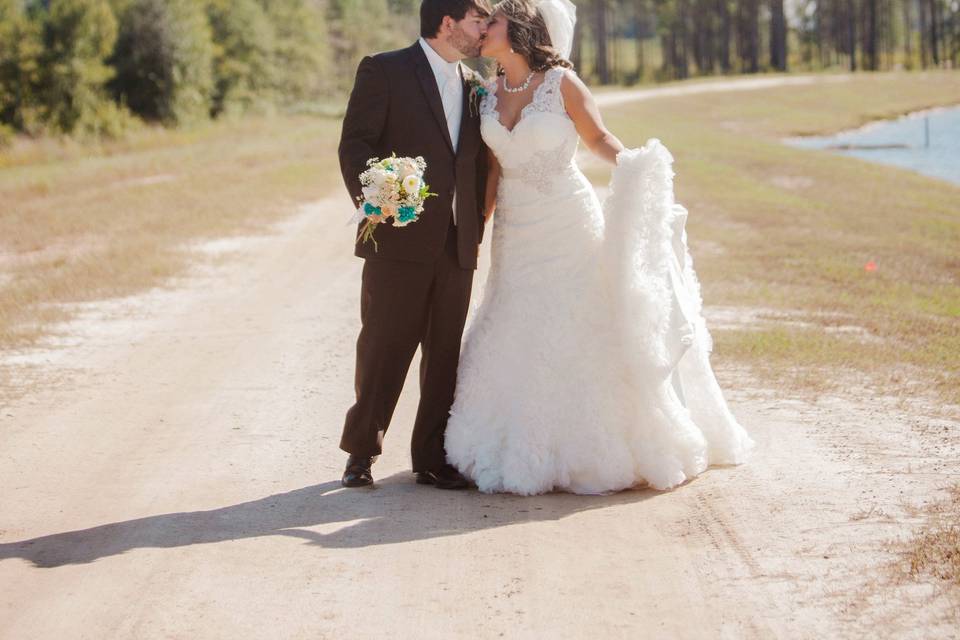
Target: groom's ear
446	25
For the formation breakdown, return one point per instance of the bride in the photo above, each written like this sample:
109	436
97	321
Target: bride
586	367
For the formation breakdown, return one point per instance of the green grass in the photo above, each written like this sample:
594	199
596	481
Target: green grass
796	227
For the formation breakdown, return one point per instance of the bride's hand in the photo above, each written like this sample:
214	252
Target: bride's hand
583	110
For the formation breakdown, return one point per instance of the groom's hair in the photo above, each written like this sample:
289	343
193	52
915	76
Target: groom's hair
432	12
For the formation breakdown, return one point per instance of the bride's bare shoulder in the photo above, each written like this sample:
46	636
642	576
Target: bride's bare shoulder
573	89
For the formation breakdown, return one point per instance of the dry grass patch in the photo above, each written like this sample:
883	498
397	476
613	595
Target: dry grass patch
118	220
933	554
936	553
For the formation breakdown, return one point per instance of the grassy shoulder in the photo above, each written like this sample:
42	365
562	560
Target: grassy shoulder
80	224
790	230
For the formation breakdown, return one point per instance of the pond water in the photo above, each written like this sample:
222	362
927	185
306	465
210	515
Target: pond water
927	142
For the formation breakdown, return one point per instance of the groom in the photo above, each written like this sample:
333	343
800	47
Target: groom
416	281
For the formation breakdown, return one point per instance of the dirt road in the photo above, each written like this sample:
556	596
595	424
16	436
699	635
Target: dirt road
169	469
173	473
711	85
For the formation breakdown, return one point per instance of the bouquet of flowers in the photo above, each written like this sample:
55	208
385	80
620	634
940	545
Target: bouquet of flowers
393	189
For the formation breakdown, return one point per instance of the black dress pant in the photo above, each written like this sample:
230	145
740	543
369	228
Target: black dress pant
403	305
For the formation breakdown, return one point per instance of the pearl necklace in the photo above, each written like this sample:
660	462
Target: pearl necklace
526	83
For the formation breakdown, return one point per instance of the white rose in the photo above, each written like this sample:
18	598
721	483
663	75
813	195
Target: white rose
407	168
370	192
411	184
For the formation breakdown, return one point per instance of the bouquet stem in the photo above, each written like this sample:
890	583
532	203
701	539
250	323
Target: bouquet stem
366	233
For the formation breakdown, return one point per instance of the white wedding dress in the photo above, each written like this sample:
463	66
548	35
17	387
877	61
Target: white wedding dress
586	366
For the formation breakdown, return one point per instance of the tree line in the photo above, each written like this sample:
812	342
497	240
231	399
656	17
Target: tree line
96	67
99	66
637	40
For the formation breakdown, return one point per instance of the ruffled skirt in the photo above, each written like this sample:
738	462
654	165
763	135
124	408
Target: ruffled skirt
586	366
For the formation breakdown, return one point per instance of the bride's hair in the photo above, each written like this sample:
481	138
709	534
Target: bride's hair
528	35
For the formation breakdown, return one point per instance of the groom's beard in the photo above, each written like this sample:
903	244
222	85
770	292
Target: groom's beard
463	43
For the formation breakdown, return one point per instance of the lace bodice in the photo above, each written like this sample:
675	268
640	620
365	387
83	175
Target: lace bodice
540	148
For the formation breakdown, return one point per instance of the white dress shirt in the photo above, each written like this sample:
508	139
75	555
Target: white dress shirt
450	83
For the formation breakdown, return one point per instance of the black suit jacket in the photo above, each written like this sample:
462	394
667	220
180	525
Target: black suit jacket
395	107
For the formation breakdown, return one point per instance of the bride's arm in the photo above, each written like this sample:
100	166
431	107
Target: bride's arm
493	177
585	114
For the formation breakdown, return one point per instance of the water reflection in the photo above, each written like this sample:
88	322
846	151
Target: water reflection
927	142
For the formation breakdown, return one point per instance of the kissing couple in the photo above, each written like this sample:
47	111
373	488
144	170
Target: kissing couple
586	365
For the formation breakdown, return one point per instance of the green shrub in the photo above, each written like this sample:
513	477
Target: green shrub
6	135
164	60
302	67
78	36
21	48
108	120
359	27
243	61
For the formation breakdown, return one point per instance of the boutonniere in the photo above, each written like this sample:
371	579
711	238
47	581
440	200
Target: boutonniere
477	90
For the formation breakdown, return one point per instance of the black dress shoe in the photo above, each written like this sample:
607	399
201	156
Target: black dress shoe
445	477
357	473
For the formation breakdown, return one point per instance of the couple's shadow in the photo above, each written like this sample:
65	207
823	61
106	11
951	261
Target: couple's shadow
396	510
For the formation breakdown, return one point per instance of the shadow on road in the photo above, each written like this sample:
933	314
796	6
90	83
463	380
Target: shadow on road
395	510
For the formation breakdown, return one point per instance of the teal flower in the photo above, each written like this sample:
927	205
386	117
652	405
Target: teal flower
477	92
407	214
370	210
